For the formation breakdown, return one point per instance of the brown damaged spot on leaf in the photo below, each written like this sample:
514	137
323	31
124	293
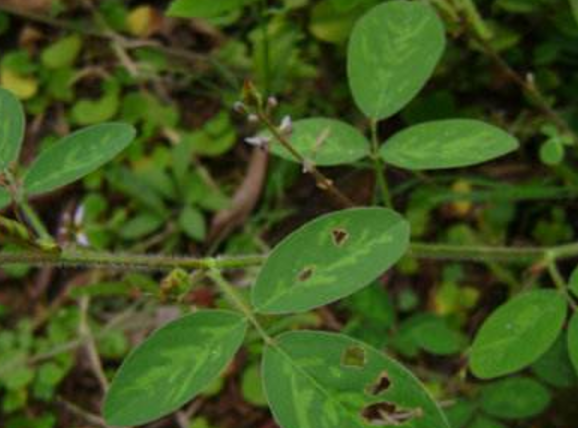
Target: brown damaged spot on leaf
381	384
340	236
354	356
306	274
387	414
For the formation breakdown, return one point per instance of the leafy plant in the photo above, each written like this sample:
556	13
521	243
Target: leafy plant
309	378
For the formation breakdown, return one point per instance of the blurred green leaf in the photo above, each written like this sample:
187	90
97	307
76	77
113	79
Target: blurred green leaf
555	367
93	111
193	223
62	53
12	123
573	341
517	333
204	8
252	387
514	398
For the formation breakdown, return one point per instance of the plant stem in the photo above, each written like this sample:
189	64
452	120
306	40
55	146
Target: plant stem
322	181
477	253
239	302
35	222
558	279
122	261
478	31
263	24
379	166
159	263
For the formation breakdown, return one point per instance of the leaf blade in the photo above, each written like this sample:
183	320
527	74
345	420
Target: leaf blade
325	142
450	143
203	8
77	155
12	125
4	198
309	384
190	351
572	341
517	333
330	258
392	52
514	398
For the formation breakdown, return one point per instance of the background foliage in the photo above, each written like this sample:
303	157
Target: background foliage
189	185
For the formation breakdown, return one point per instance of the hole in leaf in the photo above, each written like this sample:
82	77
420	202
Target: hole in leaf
339	236
353	356
381	384
387	414
305	274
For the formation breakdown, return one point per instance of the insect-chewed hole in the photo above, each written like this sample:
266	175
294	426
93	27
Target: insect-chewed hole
306	274
354	356
340	236
381	384
387	414
380	414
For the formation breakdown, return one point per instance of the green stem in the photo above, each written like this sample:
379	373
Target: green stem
239	302
379	166
420	250
121	261
477	253
35	222
263	24
558	279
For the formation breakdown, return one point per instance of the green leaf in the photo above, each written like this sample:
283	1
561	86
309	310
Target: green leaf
141	225
12	122
330	258
193	223
204	8
172	366
449	143
485	422
574	6
436	336
87	111
252	386
77	155
573	341
4	198
393	51
325	380
332	23
552	152
514	398
555	367
517	333
62	53
325	142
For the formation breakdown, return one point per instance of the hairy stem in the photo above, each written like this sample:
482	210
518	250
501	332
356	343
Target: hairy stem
159	263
